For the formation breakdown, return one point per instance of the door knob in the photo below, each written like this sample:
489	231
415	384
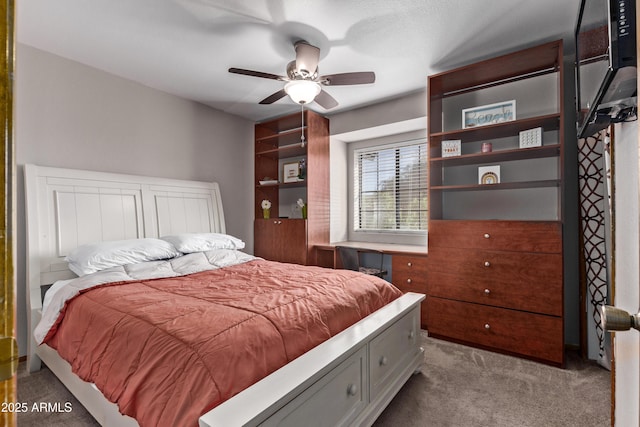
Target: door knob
615	319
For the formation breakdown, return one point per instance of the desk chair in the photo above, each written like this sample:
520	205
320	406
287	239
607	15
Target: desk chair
351	260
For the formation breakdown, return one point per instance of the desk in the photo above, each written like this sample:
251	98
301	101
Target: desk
328	257
408	269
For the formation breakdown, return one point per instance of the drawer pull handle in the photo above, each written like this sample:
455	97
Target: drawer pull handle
409	264
487	264
487	291
409	280
383	360
352	390
487	235
487	326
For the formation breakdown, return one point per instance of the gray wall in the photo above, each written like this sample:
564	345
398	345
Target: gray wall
73	116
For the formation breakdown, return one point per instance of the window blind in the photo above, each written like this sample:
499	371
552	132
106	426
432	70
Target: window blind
391	187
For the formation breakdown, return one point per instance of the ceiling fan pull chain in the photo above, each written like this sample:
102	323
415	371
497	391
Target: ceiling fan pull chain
302	141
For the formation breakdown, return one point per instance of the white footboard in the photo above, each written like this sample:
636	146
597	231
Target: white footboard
348	380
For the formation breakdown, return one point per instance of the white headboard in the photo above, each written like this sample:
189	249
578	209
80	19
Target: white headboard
66	208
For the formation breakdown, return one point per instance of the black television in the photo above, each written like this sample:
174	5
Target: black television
606	82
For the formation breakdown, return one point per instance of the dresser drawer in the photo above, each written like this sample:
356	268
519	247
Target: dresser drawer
390	351
409	273
533	335
515	268
524	236
343	391
537	296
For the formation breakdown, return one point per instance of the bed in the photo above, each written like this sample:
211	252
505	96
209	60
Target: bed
347	378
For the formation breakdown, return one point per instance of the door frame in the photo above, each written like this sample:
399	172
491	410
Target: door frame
8	344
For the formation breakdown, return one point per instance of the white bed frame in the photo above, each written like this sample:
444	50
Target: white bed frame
348	380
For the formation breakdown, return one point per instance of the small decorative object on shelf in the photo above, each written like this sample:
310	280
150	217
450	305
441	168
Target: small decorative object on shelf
302	172
489	114
268	181
290	172
451	148
266	209
489	174
487	147
531	138
303	208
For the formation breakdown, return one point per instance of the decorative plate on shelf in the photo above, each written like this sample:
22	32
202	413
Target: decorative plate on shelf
489	174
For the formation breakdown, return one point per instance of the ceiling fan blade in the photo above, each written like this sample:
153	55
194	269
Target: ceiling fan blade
256	74
274	97
307	58
357	78
325	100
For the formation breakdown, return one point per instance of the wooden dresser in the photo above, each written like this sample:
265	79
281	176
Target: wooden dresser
498	285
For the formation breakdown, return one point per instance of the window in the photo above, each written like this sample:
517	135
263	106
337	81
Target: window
390	187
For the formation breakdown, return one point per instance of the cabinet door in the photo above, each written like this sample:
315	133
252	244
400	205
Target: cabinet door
282	240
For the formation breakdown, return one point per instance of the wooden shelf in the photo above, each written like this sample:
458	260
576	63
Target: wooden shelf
284	185
500	186
515	66
500	130
499	156
281	138
284	151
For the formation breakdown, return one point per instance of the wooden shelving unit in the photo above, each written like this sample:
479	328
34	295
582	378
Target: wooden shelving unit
278	141
490	263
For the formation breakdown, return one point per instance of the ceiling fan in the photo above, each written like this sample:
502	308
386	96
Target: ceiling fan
303	83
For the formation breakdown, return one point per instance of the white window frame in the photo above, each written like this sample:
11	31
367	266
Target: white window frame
408	237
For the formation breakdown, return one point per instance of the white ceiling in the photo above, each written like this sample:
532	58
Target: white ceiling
184	47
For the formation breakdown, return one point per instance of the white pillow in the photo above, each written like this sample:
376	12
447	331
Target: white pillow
200	242
94	257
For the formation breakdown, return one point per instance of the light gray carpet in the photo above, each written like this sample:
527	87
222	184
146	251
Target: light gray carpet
462	386
458	386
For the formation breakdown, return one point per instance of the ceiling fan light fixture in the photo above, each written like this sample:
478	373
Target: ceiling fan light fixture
302	91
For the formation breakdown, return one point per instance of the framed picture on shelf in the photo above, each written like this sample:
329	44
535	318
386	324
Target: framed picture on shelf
451	148
489	114
531	138
489	174
290	172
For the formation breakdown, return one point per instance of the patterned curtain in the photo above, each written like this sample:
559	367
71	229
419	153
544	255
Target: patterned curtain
595	183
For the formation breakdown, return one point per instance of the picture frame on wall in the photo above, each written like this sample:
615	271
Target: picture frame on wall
290	172
489	114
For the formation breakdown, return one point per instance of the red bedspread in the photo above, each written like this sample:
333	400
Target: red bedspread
168	350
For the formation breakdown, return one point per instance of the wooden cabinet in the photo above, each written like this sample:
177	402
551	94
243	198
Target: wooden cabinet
496	265
285	236
507	296
282	240
409	274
